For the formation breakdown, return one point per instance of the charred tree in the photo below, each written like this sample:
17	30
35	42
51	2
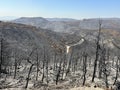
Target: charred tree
32	64
15	68
102	61
1	55
37	59
97	51
59	71
28	77
54	61
106	67
47	62
117	70
4	55
84	67
43	68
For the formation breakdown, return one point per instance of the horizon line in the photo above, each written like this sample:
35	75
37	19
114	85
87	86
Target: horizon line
16	17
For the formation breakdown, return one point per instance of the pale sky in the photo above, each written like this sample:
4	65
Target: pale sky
77	9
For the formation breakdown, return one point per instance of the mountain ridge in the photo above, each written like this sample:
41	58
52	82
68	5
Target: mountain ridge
70	25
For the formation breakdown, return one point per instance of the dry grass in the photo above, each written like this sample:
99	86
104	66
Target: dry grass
88	88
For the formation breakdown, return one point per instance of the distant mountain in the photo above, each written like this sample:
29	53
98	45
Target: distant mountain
58	25
60	19
8	18
34	21
107	23
70	25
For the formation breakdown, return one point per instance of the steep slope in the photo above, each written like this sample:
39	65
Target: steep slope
26	37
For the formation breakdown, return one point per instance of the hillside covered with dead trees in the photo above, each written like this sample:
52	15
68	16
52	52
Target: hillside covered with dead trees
41	59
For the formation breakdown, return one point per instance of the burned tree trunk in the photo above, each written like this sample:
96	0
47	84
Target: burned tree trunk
97	52
47	62
44	60
4	55
101	62
59	71
106	67
1	55
37	67
106	77
54	62
15	70
84	68
117	70
28	78
32	64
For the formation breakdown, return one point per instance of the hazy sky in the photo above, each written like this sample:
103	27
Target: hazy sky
60	8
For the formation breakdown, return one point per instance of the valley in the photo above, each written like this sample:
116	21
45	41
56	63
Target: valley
39	53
